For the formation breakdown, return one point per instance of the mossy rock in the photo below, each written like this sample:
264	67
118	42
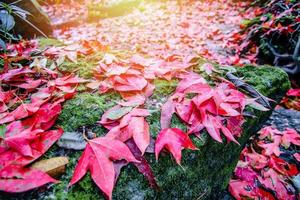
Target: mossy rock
203	174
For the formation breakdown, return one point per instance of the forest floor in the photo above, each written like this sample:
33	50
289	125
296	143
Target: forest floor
155	40
165	30
161	29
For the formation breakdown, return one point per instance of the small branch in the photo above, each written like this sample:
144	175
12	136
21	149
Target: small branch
32	25
84	134
263	100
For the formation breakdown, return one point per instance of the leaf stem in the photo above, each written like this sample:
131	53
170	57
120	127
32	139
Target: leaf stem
84	134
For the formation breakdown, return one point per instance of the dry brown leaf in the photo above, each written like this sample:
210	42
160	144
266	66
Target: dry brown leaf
53	166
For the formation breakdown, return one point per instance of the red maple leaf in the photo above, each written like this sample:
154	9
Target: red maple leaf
290	136
15	74
15	178
257	161
246	174
294	92
128	124
268	132
241	189
37	147
174	140
283	167
209	109
271	148
98	158
21	141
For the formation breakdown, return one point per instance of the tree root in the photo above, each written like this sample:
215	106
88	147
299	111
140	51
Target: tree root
293	68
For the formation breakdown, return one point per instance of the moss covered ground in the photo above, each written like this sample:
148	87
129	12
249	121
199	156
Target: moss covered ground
203	174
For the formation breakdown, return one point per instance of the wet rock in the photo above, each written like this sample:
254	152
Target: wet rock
285	118
204	174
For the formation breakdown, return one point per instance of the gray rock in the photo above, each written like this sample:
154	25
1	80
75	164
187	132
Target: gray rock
284	118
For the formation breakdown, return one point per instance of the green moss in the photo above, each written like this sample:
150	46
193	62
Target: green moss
82	68
265	79
1	63
84	110
251	22
164	87
47	42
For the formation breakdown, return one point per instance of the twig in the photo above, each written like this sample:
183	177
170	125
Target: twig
32	25
202	195
84	134
252	92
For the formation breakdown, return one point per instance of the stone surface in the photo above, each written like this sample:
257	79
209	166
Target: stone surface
285	118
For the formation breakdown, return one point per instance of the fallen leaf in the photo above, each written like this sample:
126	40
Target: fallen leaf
118	113
98	158
139	129
271	148
54	167
241	189
38	147
143	166
17	179
72	140
174	140
290	136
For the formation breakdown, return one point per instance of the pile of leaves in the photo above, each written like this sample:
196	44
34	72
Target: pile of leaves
30	102
210	107
132	78
269	167
292	99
